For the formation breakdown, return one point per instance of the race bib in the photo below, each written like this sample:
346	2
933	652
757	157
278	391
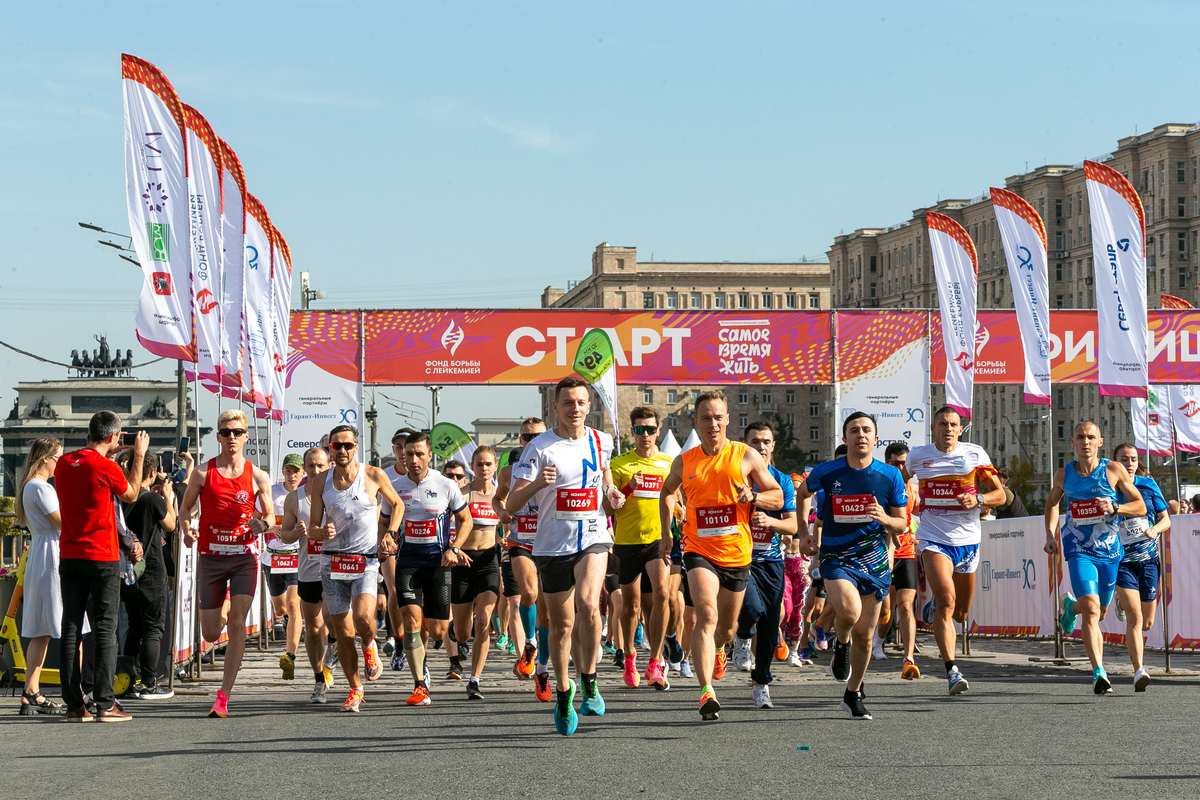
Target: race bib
572	505
423	532
1135	527
650	488
762	537
850	508
526	527
943	492
717	521
285	563
1085	512
347	568
314	546
483	514
222	540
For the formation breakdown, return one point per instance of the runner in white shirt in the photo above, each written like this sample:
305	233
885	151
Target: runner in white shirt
280	565
565	471
955	479
387	566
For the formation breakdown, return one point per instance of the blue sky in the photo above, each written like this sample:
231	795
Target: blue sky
469	154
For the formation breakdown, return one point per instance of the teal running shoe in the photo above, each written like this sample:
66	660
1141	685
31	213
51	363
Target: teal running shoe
1068	618
593	704
567	724
1101	685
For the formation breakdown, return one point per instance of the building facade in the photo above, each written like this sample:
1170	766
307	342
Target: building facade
619	281
892	268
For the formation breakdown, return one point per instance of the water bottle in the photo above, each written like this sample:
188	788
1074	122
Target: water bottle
127	574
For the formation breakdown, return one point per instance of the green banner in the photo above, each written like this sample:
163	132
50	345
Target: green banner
449	439
595	356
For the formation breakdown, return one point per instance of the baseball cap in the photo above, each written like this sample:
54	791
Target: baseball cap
293	460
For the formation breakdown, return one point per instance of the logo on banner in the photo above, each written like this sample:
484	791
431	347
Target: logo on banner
1123	244
1152	419
916	415
982	337
205	301
279	365
158	240
154	197
252	262
1024	257
1190	409
1030	568
161	282
349	416
964	361
453	337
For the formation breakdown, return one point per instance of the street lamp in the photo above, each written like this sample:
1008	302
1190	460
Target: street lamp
306	294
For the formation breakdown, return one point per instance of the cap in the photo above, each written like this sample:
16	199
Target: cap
293	460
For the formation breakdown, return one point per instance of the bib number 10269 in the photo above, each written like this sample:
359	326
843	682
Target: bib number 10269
576	504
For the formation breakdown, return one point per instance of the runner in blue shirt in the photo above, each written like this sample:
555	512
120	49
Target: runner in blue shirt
764	592
865	505
1138	573
1093	487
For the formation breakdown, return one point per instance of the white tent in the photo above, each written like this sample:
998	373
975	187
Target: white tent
693	440
670	445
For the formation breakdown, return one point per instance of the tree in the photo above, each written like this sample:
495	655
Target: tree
1020	481
790	457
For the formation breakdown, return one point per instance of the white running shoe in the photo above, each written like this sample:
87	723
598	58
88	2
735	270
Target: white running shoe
741	654
331	656
604	629
1141	679
761	695
877	651
674	667
1120	612
793	658
685	669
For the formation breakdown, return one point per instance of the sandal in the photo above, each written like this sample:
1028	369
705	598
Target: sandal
36	703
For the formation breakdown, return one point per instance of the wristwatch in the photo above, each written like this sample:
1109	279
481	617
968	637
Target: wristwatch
753	498
454	549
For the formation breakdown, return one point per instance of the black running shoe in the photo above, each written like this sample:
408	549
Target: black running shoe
619	659
852	704
839	665
473	692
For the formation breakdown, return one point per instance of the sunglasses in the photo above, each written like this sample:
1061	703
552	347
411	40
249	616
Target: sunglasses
458	476
343	445
640	429
225	433
529	437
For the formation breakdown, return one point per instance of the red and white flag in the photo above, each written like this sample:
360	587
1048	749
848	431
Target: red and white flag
1171	301
258	304
1152	422
1024	238
204	202
955	268
1185	415
281	321
1119	249
233	267
156	190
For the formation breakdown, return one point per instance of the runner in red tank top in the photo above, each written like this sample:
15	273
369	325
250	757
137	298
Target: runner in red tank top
228	534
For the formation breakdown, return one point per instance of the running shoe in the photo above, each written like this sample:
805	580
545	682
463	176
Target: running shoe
425	676
781	648
630	671
885	616
619	659
761	695
374	667
604	627
464	650
910	672
353	700
927	613
593	704
389	647
822	640
156	692
1120	612
672	652
398	661
719	664
331	656
806	657
510	647
516	670
793	657
1141	679
741	654
566	720
454	671
877	650
473	692
502	642
1100	682
609	647
710	709
327	674
839	665
220	708
287	663
318	694
637	635
1068	617
675	667
852	704
526	664
541	687
956	682
419	697
656	677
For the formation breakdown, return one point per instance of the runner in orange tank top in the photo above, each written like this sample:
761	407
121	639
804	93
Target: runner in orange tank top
716	478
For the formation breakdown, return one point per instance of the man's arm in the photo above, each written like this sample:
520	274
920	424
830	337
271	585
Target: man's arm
167	491
502	487
613	498
133	478
1051	512
289	528
1122	481
262	484
991	491
770	493
190	495
523	491
316	530
666	508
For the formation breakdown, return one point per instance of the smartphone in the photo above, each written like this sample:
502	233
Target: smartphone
121	440
183	444
168	461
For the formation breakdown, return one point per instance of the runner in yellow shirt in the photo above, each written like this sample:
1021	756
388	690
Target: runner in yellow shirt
643	574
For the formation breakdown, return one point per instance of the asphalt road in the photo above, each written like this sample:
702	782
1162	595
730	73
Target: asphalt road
1022	730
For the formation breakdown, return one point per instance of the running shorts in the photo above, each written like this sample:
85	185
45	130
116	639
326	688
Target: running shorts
904	574
215	574
558	572
631	563
509	580
278	584
731	579
1092	576
481	576
340	594
1140	575
964	557
311	592
865	582
427	587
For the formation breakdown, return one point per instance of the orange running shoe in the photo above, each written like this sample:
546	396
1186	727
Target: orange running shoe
221	707
525	663
719	665
911	672
781	648
353	700
710	709
521	676
374	667
631	673
419	697
541	687
885	617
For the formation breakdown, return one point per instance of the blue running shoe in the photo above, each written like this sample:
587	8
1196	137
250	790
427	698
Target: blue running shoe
822	641
593	704
1101	685
958	684
566	725
927	613
1068	618
637	635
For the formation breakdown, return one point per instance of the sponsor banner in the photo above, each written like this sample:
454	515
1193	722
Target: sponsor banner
650	347
233	267
596	363
281	296
955	268
316	402
1185	416
900	406
1014	585
452	443
258	306
204	214
1024	238
1152	422
1118	244
156	190
185	604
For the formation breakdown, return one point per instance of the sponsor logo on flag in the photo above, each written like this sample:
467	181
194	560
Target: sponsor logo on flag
162	282
158	237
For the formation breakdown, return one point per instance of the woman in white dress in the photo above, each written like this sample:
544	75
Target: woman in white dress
37	509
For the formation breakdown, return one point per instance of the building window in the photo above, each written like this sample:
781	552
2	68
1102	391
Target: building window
1182	240
743	300
814	409
672	300
873	291
766	299
647	300
814	434
812	389
743	397
791	420
1058	303
1062	430
1182	278
696	300
1060	461
872	263
814	301
672	397
1058	241
743	420
1181	171
647	395
767	397
789	396
718	300
1058	209
791	300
